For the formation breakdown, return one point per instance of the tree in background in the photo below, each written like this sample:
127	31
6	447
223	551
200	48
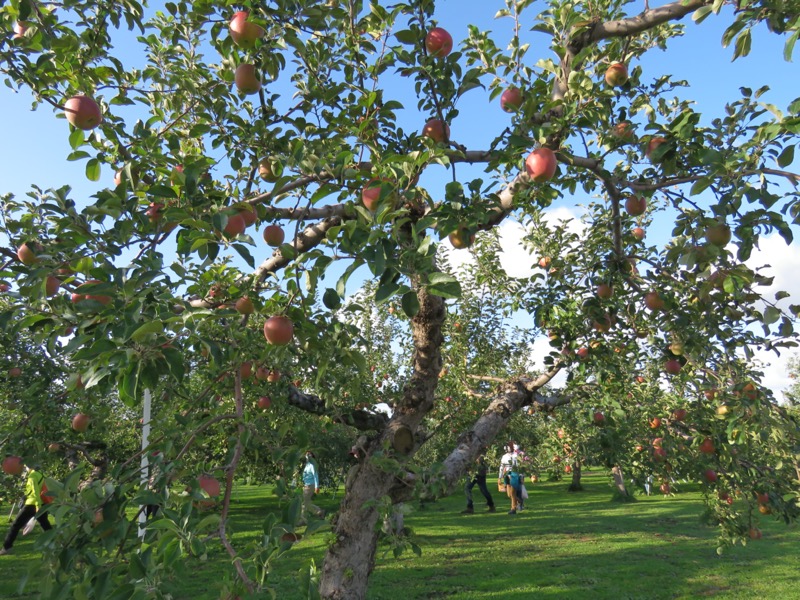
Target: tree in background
286	115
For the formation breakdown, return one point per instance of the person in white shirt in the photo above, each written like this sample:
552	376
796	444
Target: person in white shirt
509	474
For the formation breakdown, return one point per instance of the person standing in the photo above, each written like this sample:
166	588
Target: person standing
508	467
480	480
310	486
33	505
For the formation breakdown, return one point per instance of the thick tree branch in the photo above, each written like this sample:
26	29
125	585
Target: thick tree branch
644	21
360	419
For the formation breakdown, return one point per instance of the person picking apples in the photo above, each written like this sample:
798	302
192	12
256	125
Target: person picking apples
35	499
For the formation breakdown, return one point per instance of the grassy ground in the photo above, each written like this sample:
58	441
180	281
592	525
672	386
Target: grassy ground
563	546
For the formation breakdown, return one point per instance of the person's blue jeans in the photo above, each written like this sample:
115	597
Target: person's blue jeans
481	483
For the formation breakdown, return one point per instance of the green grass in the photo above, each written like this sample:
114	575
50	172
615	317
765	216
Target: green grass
564	546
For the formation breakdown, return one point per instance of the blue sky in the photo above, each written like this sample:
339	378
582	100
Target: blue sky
36	143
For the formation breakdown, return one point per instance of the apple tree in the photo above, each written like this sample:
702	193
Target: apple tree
330	123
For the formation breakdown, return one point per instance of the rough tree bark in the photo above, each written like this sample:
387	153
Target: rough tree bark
576	486
351	558
619	481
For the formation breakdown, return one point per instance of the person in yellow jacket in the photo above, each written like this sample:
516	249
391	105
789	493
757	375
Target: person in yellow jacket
33	505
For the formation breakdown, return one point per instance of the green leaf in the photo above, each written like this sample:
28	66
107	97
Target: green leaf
742	44
771	315
93	170
386	290
701	13
408	37
410	304
155	327
786	157
76	138
788	49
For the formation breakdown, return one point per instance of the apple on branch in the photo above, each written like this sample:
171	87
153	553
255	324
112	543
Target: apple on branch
83	112
80	422
278	330
541	164
635	205
511	99
246	79
273	235
243	32
437	130
616	74
461	238
438	42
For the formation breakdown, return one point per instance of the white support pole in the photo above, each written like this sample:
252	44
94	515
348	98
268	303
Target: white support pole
145	464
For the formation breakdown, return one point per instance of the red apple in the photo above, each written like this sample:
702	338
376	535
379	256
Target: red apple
83	112
12	465
264	402
209	485
235	225
244	306
154	211
80	422
602	324
710	475
262	373
673	366
599	418
53	447
461	238
654	301
273	376
659	454
655	423
567	469
623	131
437	130
654	143
246	79
249	215
560	433
638	233
658	442
52	286
14	372
273	235
79	296
278	330
679	414
605	291
617	74
754	533
438	42
665	489
545	262
246	370
582	352
706	446
541	164
511	99
26	254
635	205
243	32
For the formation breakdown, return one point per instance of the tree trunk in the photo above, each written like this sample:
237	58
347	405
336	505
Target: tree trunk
619	481
351	558
576	486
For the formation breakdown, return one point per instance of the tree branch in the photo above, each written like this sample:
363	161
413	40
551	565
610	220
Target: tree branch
360	419
644	21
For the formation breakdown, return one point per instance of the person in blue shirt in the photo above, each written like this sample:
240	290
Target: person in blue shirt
310	486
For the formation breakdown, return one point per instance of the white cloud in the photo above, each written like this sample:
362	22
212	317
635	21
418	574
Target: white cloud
784	266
